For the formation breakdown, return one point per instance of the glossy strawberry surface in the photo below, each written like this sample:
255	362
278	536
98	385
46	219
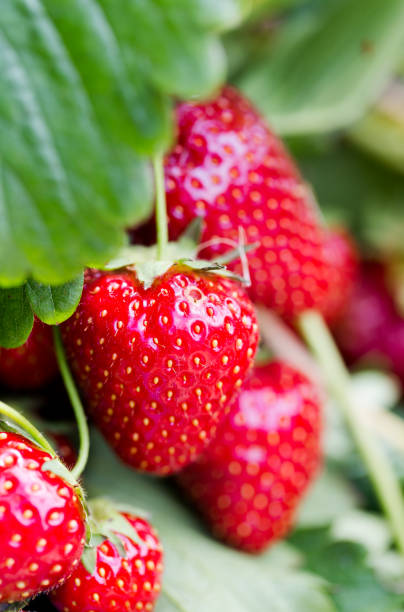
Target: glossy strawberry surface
41	522
130	583
250	481
231	169
33	364
159	367
372	328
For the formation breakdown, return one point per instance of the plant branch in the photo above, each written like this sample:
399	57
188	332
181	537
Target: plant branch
84	437
338	380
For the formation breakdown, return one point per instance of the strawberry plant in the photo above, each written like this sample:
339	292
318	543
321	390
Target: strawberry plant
196	198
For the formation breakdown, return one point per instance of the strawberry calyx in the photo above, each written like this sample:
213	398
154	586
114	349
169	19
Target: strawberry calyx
106	521
145	261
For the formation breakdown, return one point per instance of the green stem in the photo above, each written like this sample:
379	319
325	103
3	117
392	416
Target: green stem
84	437
161	207
338	380
27	426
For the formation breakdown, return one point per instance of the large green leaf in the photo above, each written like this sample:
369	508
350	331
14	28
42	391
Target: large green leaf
325	67
200	573
344	563
85	89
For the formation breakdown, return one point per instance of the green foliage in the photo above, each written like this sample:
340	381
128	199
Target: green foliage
381	131
200	573
325	66
358	191
85	91
51	304
344	564
16	318
54	304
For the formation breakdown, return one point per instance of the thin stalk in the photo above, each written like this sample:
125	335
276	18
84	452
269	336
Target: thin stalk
27	426
161	207
84	437
338	380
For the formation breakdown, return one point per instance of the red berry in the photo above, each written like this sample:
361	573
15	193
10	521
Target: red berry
159	367
372	328
231	169
343	269
41	522
31	365
130	583
250	481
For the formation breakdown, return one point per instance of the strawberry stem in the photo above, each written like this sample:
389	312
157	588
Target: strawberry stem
380	471
84	437
161	207
27	426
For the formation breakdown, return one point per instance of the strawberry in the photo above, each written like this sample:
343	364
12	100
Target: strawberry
41	522
343	261
250	481
231	169
159	366
117	582
31	365
372	328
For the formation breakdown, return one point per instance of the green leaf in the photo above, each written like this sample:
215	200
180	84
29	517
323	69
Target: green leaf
325	67
16	318
86	90
57	467
330	497
200	573
381	131
55	304
344	564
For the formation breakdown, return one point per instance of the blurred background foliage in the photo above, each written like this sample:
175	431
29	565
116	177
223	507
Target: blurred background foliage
86	96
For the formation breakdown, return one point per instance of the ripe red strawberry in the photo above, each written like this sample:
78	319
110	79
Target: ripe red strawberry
249	482
372	328
230	169
117	583
343	270
31	365
41	522
160	366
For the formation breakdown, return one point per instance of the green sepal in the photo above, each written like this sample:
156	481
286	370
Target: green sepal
12	427
117	542
16	317
119	524
184	251
89	559
57	467
55	304
235	253
16	429
104	524
107	517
